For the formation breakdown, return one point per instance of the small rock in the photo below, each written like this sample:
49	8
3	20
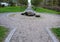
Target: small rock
22	13
37	15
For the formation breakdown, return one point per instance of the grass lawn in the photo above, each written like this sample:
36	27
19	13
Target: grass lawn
56	31
3	33
45	10
12	9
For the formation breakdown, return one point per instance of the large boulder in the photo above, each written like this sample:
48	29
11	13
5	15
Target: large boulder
28	13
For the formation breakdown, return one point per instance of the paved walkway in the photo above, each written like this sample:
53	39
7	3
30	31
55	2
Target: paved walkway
30	29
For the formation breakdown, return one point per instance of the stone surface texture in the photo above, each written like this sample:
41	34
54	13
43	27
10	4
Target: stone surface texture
30	29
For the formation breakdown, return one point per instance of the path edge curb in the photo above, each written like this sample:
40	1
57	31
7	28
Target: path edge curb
53	37
10	35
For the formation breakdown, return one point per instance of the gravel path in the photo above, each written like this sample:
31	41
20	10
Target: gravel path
30	29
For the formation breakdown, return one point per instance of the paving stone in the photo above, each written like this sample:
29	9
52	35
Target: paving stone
30	29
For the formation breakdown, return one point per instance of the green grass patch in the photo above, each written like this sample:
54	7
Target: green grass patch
43	10
56	31
3	33
12	9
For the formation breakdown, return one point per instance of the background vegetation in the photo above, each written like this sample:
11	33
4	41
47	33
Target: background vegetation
3	33
23	2
12	9
48	4
36	2
56	31
45	10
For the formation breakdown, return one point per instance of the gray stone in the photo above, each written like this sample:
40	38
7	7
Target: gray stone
29	13
37	15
